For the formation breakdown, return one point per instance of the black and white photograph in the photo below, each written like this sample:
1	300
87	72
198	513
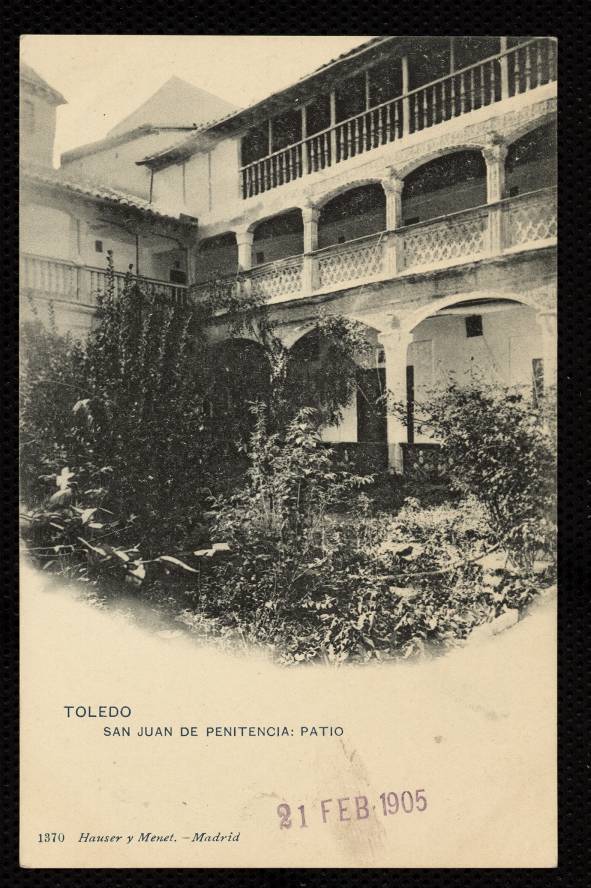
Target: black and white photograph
288	450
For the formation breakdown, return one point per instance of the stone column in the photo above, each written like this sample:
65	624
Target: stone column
393	186
310	216
495	153
395	344
244	239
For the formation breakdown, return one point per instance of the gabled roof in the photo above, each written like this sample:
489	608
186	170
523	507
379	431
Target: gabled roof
139	132
187	146
55	179
40	86
176	104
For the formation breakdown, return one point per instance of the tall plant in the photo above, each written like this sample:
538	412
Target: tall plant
129	412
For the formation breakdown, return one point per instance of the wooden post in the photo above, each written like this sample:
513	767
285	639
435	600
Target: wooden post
333	132
504	69
305	155
405	100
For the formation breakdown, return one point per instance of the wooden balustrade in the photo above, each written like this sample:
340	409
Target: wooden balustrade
515	71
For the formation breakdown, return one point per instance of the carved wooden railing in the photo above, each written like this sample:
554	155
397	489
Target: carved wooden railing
66	281
510	73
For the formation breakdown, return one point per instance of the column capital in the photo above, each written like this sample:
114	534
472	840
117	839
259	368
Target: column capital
244	235
393	183
495	149
310	212
395	339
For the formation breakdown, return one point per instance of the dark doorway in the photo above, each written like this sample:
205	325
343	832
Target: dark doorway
371	406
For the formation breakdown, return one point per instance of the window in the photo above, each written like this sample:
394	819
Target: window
98	246
27	117
177	276
473	325
260	257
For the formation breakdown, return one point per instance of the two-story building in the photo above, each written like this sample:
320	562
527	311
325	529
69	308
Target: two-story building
69	223
408	184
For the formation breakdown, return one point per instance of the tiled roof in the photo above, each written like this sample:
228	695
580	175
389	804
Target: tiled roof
184	147
89	188
38	84
345	55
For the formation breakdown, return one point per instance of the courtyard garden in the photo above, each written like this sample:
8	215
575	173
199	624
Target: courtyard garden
151	469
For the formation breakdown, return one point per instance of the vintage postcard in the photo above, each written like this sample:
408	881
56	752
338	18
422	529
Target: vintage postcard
287	437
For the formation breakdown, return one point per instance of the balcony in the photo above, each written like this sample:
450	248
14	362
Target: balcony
65	281
528	221
511	73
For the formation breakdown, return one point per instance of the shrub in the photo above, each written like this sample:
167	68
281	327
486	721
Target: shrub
498	446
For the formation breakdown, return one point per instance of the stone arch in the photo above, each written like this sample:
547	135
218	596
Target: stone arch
531	160
342	188
241	372
274	214
527	126
290	336
362	425
299	334
412	321
355	212
277	237
404	169
490	338
447	183
217	256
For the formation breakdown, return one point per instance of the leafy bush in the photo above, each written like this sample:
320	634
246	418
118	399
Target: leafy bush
313	584
128	413
126	472
498	446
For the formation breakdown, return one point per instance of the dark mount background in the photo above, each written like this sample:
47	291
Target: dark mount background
565	20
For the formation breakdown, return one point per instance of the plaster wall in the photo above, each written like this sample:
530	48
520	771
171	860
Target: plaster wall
116	166
36	147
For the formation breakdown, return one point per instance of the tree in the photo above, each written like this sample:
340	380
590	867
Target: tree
134	412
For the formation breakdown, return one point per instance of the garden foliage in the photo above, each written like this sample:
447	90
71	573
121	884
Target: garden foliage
155	464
